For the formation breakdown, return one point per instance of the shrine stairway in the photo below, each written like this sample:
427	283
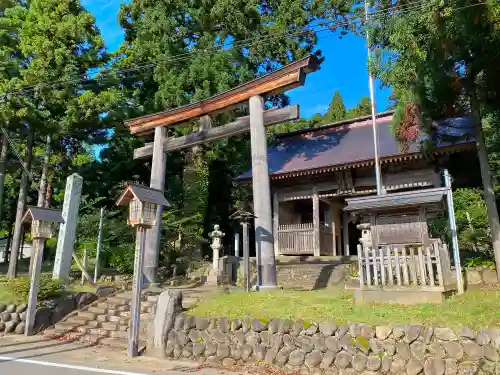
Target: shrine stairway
106	321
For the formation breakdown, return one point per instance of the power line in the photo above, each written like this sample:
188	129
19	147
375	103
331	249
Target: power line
13	148
239	44
249	42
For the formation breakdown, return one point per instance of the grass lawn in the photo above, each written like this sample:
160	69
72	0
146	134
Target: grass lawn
475	308
7	296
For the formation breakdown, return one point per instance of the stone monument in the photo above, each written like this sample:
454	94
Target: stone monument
216	235
161	321
67	230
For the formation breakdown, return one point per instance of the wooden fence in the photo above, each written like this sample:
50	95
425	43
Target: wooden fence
296	238
326	240
405	266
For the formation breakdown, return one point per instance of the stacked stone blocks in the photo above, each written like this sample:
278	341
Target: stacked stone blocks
327	348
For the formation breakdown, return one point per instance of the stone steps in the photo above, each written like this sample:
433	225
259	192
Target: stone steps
104	322
107	321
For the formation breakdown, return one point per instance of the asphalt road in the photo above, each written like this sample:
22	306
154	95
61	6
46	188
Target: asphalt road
20	355
16	367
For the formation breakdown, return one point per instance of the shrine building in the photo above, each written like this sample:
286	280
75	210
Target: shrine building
313	171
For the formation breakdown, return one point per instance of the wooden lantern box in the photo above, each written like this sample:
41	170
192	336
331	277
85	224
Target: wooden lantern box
143	203
42	221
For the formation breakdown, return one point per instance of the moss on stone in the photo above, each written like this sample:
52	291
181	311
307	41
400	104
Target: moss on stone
468	364
307	325
263	321
363	342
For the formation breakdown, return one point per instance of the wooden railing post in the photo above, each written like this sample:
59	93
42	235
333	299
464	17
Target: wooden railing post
317	241
345	233
276	222
361	272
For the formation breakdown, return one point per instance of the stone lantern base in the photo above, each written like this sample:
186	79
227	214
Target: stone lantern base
214	279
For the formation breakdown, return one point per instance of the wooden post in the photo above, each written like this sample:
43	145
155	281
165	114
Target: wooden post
38	245
246	257
317	240
153	235
98	250
345	233
276	222
85	264
236	244
135	308
333	210
261	196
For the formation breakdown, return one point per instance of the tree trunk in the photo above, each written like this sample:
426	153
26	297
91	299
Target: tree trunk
3	162
45	169
43	187
48	196
489	193
9	242
23	192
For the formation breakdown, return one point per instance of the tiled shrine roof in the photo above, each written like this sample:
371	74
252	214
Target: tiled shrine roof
349	144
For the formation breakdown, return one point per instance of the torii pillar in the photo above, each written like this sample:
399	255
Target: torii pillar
288	77
153	235
264	242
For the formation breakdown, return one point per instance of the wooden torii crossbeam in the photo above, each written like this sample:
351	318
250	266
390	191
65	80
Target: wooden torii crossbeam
253	92
240	126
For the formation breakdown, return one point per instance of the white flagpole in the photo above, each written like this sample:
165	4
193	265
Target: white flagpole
378	175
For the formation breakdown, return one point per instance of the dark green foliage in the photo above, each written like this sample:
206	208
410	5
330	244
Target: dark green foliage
336	109
472	223
364	108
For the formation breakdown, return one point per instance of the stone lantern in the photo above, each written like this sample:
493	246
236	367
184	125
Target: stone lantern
216	235
143	203
43	221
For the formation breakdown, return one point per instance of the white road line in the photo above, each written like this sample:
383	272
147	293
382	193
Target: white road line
72	367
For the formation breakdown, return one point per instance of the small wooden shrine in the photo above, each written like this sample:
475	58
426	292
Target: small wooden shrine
398	260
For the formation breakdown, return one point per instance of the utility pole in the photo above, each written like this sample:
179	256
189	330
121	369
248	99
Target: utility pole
378	174
453	232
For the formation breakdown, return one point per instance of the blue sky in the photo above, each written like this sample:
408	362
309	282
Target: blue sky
344	68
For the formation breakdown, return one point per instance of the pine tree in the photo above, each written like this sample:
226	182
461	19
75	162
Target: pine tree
363	108
442	61
59	42
336	109
159	31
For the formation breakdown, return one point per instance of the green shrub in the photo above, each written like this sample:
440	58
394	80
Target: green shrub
20	286
480	262
122	259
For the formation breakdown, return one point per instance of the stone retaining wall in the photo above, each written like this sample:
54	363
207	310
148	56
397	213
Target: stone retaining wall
327	348
13	317
480	275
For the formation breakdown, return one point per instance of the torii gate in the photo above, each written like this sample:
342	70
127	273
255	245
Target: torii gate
279	81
